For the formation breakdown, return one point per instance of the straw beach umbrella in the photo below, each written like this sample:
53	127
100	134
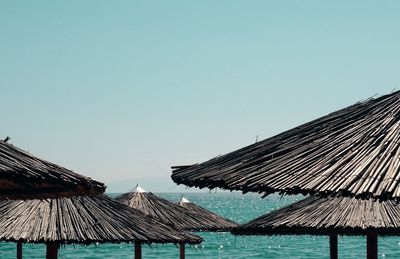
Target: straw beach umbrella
210	220
352	152
24	176
330	216
174	214
83	220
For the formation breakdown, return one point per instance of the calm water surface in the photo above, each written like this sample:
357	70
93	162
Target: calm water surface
240	208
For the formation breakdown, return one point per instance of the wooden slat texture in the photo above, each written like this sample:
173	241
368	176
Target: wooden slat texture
352	152
24	176
326	216
83	220
206	217
174	214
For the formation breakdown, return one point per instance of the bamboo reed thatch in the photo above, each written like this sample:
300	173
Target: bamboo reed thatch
327	216
174	214
83	220
224	224
23	176
351	152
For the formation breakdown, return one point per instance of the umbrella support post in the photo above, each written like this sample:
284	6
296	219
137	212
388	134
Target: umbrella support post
372	245
52	251
19	250
138	250
181	251
333	246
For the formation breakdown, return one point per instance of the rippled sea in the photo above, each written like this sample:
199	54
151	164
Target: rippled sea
240	208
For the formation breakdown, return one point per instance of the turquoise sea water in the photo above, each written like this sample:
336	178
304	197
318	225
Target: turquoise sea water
240	208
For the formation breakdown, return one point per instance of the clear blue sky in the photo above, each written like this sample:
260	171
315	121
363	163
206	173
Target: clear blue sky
122	90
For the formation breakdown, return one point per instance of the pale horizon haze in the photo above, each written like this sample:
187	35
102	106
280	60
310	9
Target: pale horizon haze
122	90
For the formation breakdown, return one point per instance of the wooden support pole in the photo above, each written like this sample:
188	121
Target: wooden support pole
138	250
182	251
372	245
19	250
333	246
52	251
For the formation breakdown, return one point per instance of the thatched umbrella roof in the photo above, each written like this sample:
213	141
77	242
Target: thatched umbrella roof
352	152
221	223
174	214
83	220
326	216
24	176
